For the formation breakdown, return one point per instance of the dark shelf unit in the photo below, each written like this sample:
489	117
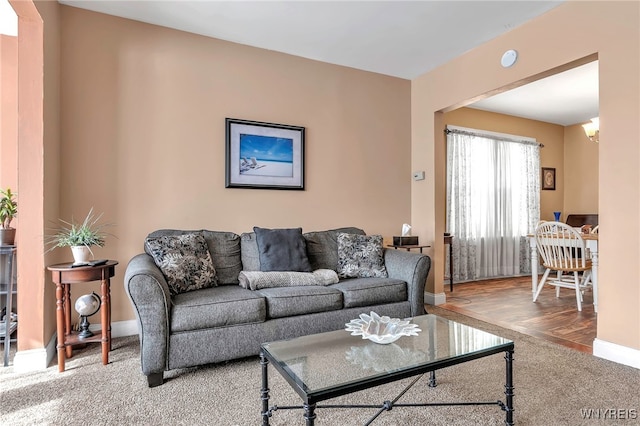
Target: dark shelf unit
8	292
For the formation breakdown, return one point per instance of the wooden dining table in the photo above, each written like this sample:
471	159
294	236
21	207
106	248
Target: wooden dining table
591	242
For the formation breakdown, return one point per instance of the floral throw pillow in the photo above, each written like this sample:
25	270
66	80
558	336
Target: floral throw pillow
184	261
360	256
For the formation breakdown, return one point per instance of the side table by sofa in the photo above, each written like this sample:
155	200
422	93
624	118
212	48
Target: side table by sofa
408	247
448	239
64	275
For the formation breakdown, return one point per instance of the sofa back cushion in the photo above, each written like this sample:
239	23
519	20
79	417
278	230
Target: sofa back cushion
249	252
322	247
225	253
224	248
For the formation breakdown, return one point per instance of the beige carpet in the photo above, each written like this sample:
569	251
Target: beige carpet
553	386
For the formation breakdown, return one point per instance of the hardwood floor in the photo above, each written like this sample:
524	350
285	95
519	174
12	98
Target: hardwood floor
507	302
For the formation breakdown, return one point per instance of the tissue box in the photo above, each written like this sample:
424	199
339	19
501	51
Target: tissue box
405	241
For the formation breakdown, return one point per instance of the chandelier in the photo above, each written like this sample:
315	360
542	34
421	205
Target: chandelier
592	129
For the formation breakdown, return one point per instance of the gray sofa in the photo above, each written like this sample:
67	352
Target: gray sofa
228	321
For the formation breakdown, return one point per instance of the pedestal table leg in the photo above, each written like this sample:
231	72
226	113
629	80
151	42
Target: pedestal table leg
594	278
534	268
66	288
60	322
450	265
104	317
109	313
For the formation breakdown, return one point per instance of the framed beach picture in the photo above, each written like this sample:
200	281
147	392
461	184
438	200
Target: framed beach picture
264	155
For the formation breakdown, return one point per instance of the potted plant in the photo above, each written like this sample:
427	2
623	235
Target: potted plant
80	236
8	210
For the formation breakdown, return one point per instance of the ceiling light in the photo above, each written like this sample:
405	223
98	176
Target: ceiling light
592	129
509	58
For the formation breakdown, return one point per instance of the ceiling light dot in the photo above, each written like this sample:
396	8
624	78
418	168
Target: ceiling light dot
509	58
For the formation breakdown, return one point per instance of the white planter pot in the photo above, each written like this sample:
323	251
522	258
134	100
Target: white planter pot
81	254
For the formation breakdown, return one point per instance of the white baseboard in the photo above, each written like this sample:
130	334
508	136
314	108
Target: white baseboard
39	359
35	359
31	360
616	353
434	299
120	328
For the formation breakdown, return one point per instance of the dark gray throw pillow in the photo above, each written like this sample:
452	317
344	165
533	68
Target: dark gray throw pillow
282	250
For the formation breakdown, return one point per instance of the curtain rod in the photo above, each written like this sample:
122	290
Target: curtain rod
492	136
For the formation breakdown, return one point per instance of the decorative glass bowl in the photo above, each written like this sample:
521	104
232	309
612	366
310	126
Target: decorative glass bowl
381	329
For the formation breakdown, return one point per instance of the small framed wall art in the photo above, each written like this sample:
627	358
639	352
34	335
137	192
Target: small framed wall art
549	178
264	155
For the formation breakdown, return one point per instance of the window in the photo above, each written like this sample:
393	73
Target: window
493	201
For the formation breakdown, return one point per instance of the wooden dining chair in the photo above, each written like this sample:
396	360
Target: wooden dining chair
558	244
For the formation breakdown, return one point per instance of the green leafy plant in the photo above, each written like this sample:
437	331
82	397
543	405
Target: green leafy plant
87	233
8	208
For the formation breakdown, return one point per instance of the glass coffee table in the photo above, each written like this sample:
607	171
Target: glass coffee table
327	365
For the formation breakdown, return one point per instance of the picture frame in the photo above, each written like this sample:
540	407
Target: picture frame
263	155
549	178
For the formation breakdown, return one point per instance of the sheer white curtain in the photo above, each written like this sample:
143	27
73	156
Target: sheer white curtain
493	202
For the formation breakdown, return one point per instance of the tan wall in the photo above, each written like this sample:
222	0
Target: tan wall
50	163
35	104
9	113
143	137
580	172
553	40
550	135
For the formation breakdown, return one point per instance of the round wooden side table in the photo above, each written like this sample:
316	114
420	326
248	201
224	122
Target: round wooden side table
64	275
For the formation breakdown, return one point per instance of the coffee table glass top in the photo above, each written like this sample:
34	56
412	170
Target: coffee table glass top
321	363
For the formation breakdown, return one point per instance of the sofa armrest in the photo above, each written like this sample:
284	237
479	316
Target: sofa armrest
413	268
149	294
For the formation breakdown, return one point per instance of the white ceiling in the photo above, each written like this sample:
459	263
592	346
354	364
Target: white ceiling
567	98
398	38
8	19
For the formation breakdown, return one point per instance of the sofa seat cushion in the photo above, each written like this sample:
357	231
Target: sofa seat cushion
371	291
290	301
216	307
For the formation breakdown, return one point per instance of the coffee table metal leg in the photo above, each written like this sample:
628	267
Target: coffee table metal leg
508	388
432	379
309	414
264	392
